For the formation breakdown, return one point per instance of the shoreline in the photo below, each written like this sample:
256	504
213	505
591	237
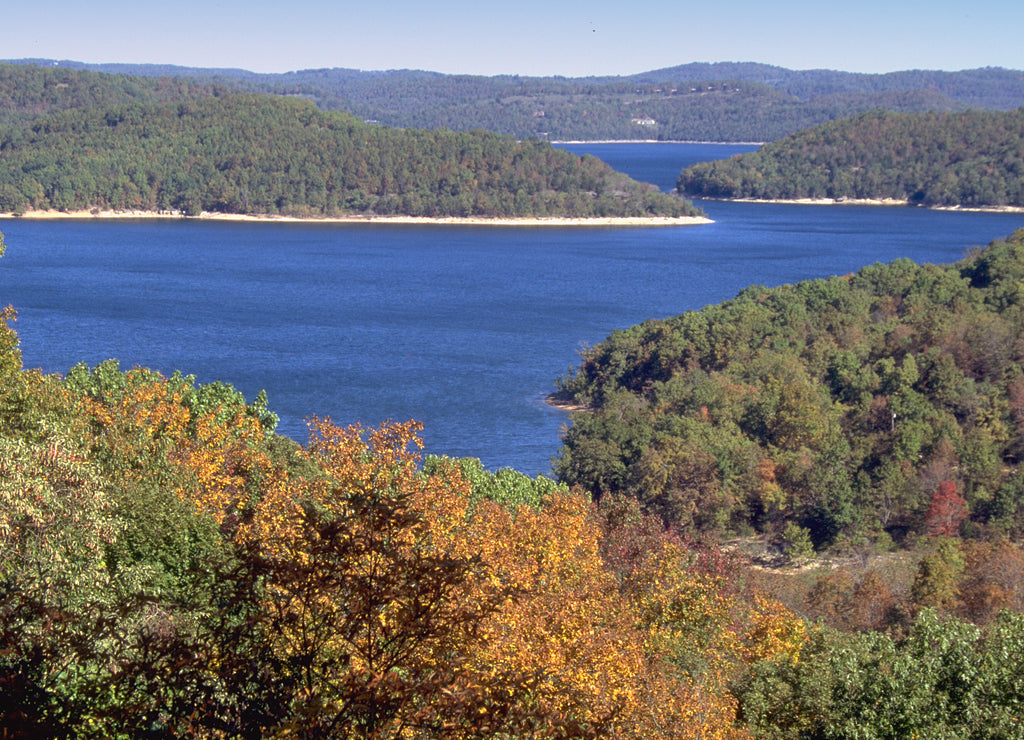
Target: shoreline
886	202
656	141
357	219
564	402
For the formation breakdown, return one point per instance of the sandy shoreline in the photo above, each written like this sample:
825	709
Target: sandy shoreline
446	220
564	402
872	202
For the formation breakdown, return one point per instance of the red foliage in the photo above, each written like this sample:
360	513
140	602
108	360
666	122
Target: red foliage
946	511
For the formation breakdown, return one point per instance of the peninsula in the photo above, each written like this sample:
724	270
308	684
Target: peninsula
969	160
268	156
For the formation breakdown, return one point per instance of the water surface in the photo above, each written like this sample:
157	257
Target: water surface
464	328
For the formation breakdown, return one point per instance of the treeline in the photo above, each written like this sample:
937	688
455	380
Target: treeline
260	154
705	102
880	408
986	87
29	91
953	159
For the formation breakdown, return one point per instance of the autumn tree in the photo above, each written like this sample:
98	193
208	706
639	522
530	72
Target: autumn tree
936	584
946	511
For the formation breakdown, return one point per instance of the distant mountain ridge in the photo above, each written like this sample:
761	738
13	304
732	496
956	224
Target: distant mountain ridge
985	87
727	101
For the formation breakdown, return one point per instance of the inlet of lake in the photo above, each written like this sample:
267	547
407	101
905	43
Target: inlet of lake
464	328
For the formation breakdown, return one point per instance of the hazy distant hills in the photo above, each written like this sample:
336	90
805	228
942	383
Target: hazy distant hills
709	102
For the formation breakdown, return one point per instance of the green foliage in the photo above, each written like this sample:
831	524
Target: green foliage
839	406
968	159
504	486
938	575
796	542
947	679
10	354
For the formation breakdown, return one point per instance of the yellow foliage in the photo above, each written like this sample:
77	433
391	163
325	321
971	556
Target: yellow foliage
773	631
566	627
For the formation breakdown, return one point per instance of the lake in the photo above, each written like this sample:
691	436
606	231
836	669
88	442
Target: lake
464	328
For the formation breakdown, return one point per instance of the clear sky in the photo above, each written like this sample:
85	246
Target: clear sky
529	37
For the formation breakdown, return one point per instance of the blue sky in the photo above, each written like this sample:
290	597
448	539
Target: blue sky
529	37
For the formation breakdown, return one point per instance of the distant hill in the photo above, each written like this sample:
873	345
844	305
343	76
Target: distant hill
706	102
972	159
987	87
28	91
261	154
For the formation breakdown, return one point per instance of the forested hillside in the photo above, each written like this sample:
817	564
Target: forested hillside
28	91
704	102
882	407
262	154
971	159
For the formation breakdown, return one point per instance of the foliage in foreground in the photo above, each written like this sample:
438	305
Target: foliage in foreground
171	568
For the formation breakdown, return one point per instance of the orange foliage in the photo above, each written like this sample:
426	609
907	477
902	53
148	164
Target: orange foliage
677	707
227	473
772	631
133	430
993	580
144	430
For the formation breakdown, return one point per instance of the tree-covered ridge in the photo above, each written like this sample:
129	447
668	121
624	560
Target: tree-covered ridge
986	87
951	159
877	407
703	102
260	154
29	91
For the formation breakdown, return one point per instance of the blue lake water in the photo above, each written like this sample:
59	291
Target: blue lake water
464	328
